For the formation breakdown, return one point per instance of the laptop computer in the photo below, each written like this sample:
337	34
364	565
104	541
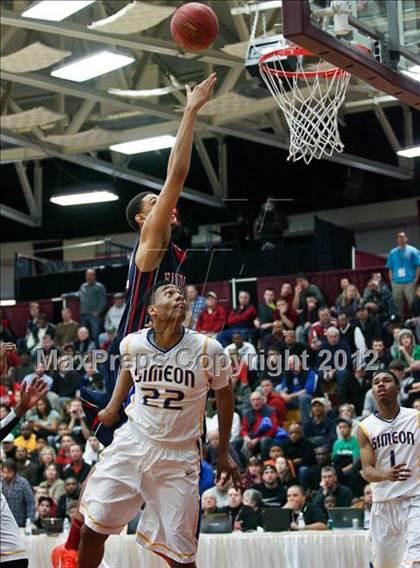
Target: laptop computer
342	517
215	523
276	519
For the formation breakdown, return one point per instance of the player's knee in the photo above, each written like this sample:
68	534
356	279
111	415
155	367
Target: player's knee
92	537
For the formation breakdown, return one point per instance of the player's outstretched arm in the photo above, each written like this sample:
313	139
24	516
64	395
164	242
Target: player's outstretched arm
111	413
155	231
371	473
225	403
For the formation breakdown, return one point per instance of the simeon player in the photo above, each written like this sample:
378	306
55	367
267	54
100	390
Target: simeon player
390	451
155	257
155	457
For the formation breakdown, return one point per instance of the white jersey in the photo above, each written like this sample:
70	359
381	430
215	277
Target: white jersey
395	441
171	386
11	546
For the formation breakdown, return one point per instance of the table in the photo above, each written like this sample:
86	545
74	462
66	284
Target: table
309	549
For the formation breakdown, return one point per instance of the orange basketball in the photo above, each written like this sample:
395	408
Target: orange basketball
194	26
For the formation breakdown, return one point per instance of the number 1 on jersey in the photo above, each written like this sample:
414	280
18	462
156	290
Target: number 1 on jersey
392	458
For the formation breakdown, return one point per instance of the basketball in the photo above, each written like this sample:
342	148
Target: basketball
194	26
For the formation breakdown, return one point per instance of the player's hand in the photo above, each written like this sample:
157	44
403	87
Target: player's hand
6	347
30	395
200	94
108	416
225	463
399	473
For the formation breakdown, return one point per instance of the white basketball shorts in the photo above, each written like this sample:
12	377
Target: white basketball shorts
395	531
11	546
134	471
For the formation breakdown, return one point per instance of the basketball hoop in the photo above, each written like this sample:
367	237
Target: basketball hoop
310	100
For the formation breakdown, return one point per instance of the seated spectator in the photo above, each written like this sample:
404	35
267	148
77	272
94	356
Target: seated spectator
344	282
348	302
66	330
286	314
46	457
238	367
72	510
346	450
314	516
212	452
53	482
330	502
48	354
353	335
298	387
220	490
8	448
273	493
40	373
8	359
413	322
369	325
307	316
275	451
242	518
83	343
298	449
77	424
253	498
379	301
354	387
209	504
242	394
334	356
212	317
25	468
18	493
292	346
114	314
6	332
245	350
24	368
77	468
275	339
63	453
381	357
365	503
273	366
43	511
258	427
266	309
285	473
311	478
43	418
409	350
43	327
71	494
348	412
196	304
27	437
286	292
30	325
320	429
317	330
66	381
93	450
274	399
253	472
379	277
240	320
330	486
303	289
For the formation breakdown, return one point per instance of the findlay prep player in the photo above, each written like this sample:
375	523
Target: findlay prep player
155	457
155	256
390	451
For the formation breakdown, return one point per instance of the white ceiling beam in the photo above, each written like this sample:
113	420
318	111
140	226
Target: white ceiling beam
140	42
240	23
27	190
18	216
208	166
230	80
80	117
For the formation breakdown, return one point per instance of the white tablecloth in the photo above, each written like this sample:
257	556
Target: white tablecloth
309	549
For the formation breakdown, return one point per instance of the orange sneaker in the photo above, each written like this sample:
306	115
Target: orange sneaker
63	558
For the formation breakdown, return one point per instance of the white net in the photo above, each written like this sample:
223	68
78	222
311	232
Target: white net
310	101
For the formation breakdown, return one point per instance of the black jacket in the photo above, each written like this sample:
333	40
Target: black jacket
352	391
244	514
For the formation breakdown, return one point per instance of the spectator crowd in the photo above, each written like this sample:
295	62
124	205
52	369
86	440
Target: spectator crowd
301	374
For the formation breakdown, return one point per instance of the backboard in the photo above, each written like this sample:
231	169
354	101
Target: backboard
389	31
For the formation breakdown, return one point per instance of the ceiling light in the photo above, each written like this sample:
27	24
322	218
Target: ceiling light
410	152
92	66
5	303
144	145
413	72
83	198
55	11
